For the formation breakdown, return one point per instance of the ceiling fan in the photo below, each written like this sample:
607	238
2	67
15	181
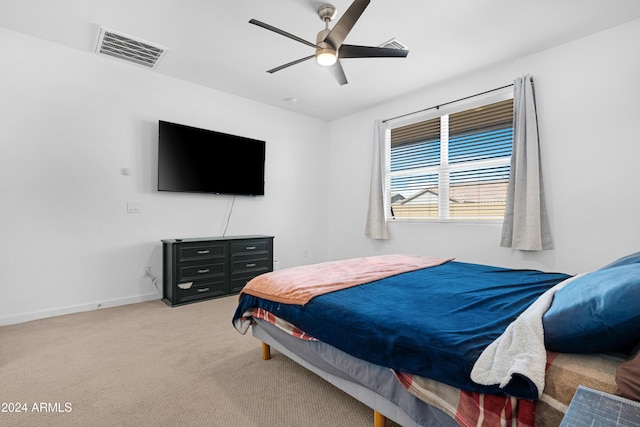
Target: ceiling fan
329	42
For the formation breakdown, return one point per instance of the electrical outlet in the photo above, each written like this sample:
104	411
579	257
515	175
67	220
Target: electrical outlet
133	207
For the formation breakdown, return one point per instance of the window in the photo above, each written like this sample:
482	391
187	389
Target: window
454	166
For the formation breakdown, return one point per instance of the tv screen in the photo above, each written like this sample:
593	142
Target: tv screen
204	161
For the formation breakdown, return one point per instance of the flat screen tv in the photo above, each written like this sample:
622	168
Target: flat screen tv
197	160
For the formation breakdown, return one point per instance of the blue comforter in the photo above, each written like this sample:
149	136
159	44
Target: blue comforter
433	322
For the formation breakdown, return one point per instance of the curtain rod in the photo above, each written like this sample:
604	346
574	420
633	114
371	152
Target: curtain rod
447	103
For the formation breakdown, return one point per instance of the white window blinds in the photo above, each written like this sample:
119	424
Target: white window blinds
452	167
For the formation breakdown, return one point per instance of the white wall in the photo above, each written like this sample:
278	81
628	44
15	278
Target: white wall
70	121
589	117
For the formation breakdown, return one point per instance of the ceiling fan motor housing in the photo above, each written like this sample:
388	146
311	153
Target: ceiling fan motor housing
325	53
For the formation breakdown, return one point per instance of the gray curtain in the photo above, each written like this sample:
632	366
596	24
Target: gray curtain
376	227
526	226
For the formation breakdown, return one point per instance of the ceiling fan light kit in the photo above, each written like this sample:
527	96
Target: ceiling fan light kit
326	56
329	42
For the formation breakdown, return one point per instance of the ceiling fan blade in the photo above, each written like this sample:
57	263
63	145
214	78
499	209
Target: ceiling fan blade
281	32
297	61
338	73
339	32
353	51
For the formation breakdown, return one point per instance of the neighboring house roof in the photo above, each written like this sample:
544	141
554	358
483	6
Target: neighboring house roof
458	193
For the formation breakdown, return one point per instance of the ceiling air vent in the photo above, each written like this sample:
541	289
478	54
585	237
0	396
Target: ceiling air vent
128	48
394	44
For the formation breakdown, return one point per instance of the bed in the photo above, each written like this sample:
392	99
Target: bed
437	342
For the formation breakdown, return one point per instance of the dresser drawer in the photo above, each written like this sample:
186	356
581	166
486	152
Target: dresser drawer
191	291
250	265
240	280
244	247
198	271
193	252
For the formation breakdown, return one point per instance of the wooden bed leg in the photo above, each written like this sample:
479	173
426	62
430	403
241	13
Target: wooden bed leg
379	420
266	351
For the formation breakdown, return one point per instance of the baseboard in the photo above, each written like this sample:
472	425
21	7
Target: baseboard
11	320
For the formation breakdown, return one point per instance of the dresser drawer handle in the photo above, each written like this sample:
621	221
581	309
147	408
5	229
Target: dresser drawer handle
253	264
251	248
203	289
204	252
203	271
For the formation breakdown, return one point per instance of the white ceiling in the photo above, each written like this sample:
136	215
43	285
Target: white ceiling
211	43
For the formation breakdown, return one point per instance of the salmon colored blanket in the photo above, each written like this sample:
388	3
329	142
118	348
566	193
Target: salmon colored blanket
298	285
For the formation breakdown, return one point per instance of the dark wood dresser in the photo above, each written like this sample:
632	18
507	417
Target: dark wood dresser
204	268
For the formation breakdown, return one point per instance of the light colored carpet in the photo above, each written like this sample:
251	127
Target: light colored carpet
151	365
